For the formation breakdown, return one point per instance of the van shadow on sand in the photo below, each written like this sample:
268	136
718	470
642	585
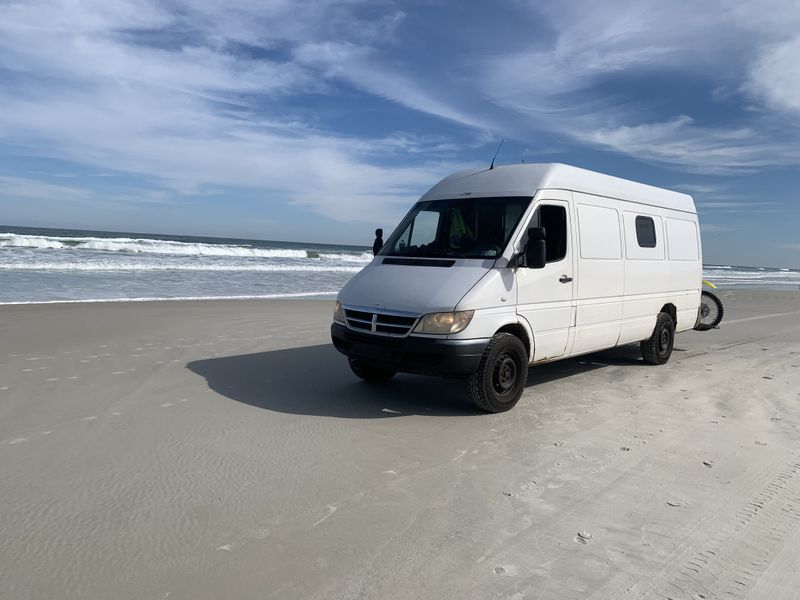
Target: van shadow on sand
315	380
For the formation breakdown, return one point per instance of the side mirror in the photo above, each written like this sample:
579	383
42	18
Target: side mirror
536	250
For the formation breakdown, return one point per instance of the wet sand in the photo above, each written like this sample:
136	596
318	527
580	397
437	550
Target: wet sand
223	450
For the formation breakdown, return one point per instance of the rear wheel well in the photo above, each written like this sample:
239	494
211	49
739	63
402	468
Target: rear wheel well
518	330
671	311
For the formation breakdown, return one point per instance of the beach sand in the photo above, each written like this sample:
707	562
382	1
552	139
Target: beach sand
224	450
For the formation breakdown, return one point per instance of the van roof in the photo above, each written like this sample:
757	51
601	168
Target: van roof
526	179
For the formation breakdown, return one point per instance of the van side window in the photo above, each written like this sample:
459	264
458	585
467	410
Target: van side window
645	232
420	231
554	220
424	227
513	213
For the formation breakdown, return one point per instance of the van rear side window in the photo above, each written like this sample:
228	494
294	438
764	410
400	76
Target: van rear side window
645	232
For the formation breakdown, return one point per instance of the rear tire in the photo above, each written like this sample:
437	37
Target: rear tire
710	311
369	372
498	382
657	349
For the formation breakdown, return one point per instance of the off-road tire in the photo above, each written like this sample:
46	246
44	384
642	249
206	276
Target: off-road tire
498	382
657	349
708	303
369	372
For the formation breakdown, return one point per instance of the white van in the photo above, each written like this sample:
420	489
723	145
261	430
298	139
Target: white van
497	269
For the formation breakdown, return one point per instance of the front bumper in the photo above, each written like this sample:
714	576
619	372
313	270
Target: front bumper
419	355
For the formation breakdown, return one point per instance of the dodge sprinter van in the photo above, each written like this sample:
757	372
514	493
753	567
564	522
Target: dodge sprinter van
497	269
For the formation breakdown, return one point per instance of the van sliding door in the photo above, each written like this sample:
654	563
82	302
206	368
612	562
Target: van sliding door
600	274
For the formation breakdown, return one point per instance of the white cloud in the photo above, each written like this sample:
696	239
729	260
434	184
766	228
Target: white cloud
733	205
187	148
694	148
598	39
741	53
25	189
701	188
360	67
176	92
717	41
775	77
186	113
21	188
714	228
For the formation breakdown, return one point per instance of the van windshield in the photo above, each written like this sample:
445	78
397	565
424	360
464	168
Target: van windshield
458	228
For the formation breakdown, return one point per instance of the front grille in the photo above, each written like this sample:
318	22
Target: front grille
379	322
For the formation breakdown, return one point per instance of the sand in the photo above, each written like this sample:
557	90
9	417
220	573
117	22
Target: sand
223	450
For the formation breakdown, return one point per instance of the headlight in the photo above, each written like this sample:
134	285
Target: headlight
445	323
338	312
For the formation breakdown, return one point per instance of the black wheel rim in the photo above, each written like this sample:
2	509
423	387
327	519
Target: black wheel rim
505	374
664	337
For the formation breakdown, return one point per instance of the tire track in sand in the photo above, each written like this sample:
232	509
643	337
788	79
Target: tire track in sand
732	560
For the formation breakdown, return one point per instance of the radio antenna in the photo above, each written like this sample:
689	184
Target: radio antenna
491	166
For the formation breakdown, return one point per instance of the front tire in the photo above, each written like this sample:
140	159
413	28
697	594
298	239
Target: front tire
498	382
369	372
657	349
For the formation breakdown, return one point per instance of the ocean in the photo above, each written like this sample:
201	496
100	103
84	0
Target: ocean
52	265
45	265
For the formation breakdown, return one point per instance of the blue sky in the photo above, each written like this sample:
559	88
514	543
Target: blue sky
321	120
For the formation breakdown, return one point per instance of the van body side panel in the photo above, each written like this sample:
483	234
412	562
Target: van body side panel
668	273
543	301
683	252
493	299
687	304
648	281
497	288
485	323
599	279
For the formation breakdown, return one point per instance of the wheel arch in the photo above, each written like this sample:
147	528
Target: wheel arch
672	311
520	331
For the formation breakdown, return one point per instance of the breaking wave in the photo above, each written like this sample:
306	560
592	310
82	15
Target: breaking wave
43	265
138	266
171	247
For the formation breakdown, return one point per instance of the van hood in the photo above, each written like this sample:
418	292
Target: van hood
415	289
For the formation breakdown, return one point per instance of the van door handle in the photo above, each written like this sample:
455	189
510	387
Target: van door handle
565	279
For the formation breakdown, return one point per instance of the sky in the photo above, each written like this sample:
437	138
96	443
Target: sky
322	120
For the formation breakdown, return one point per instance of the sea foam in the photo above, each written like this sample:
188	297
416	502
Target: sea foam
170	247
